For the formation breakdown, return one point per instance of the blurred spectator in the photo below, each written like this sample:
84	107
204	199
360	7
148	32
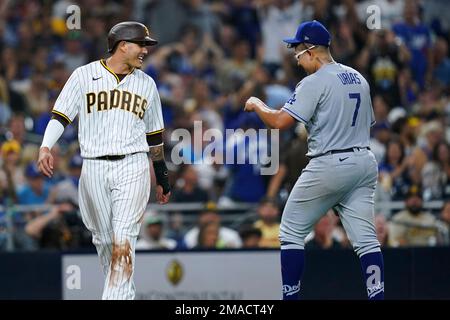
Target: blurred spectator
382	229
237	68
60	166
74	54
176	229
381	135
269	223
343	45
292	161
11	173
413	226
383	58
243	15
36	190
203	106
17	129
199	14
394	176
435	15
405	128
156	13
37	94
59	76
61	228
67	189
432	134
94	40
416	36
408	89
3	234
323	233
278	18
442	62
9	66
208	236
436	173
228	238
445	219
152	235
5	109
187	188
250	237
247	151
212	177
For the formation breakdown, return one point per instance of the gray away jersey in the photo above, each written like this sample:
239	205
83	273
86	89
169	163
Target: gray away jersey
114	116
334	104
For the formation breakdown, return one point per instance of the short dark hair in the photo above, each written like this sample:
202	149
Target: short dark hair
248	231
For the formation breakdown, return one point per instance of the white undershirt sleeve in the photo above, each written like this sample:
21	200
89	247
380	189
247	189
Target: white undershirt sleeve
52	133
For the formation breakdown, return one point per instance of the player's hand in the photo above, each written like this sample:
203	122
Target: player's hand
45	162
160	197
251	104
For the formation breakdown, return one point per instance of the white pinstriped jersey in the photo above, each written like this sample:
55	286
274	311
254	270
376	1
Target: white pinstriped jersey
114	116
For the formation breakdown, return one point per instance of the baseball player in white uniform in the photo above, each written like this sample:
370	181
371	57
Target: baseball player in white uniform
334	103
120	120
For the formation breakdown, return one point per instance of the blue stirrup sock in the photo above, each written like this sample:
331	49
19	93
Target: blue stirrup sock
292	265
373	270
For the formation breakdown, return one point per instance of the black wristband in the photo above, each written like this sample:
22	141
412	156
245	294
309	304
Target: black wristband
162	175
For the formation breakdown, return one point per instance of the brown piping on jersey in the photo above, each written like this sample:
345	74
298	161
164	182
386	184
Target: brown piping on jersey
60	114
60	119
103	63
118	77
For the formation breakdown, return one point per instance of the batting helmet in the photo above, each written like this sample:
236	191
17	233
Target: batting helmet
129	31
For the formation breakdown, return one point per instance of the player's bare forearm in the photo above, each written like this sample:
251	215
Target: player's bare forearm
157	153
267	115
274	119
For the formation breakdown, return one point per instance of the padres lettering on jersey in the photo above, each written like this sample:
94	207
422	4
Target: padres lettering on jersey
107	100
114	115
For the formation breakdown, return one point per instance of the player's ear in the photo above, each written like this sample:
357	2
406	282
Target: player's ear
311	55
122	46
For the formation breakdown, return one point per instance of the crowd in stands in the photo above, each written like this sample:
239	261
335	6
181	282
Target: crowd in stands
213	55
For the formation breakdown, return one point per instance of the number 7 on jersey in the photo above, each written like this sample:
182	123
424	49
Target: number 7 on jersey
356	96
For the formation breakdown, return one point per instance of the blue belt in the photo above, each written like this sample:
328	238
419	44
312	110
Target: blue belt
340	151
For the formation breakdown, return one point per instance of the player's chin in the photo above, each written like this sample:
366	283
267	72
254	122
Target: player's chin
138	63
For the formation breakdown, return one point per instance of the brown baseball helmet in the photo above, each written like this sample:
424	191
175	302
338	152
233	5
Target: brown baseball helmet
131	31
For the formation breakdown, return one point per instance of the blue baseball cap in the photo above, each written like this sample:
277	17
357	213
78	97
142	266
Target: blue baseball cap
312	32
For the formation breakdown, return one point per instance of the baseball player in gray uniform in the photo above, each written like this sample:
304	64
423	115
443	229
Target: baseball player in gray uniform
334	103
120	120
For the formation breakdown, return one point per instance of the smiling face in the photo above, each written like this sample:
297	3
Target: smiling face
134	53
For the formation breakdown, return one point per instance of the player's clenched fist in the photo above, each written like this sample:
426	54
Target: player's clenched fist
160	196
45	161
251	104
